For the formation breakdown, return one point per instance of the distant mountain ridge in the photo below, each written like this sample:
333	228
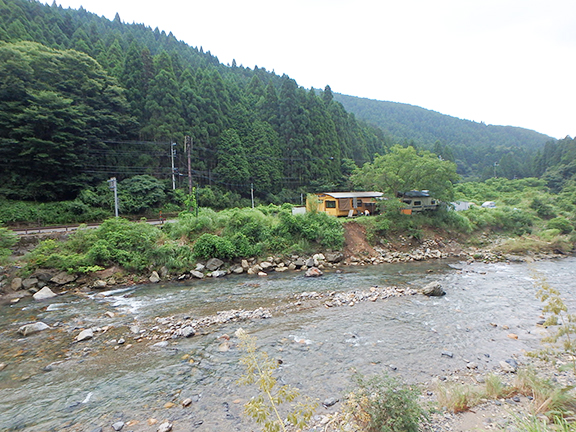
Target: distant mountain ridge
410	122
479	150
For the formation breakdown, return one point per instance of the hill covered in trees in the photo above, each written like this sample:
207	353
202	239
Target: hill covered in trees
84	98
475	147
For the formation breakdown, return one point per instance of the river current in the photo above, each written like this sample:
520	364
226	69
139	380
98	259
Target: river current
51	383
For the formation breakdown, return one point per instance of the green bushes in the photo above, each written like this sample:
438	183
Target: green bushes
135	246
504	219
560	223
55	213
7	240
251	232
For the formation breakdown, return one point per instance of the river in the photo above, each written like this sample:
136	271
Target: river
50	383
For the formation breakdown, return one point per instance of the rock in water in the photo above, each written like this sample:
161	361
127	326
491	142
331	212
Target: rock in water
32	328
165	427
118	426
84	335
433	289
154	277
44	294
313	272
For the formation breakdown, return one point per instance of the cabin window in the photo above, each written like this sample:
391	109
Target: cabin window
359	202
432	202
330	204
417	203
408	201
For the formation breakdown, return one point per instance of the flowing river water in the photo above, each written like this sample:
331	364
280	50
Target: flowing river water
50	383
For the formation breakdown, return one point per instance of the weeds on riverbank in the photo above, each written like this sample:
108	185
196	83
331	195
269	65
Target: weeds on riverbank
548	398
561	324
265	407
384	404
534	423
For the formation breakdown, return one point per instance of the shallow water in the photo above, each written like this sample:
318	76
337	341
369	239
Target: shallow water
51	383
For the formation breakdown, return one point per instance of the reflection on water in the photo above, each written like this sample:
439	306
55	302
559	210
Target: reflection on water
51	383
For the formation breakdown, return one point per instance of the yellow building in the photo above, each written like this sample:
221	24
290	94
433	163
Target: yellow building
345	203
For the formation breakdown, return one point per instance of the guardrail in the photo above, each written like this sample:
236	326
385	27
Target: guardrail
68	228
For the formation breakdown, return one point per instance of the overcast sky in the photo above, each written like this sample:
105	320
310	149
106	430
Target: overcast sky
504	62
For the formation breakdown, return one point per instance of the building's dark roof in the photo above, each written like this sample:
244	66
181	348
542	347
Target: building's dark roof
354	194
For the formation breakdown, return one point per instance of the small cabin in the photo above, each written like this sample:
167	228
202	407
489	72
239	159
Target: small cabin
417	201
346	203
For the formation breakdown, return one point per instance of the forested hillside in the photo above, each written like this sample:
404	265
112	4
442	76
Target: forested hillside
83	98
475	147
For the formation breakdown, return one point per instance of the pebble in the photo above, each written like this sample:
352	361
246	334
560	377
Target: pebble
447	354
513	336
2	366
186	402
330	401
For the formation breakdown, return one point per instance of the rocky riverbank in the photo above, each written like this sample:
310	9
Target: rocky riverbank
356	253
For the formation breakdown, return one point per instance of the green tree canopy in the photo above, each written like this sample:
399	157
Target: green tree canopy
405	169
56	108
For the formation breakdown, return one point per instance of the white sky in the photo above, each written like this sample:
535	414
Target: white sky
505	62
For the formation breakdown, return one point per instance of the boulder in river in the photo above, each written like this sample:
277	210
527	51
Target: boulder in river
433	289
44	294
36	327
313	272
84	335
165	427
118	426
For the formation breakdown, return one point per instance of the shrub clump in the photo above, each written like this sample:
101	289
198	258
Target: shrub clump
383	404
560	223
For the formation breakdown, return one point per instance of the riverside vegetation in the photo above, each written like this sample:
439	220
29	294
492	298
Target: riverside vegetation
527	218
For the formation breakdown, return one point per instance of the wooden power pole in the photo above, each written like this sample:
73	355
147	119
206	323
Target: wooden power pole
188	153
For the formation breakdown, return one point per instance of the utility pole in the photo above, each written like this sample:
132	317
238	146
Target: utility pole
172	152
495	165
112	184
188	145
252	193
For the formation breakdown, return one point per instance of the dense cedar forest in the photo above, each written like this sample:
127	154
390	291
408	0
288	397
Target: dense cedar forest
83	98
